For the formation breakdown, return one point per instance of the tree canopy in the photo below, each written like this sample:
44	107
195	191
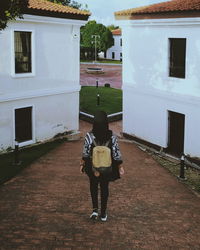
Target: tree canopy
104	39
10	9
112	27
70	3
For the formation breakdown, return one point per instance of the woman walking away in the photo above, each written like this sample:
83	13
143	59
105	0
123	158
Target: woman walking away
101	161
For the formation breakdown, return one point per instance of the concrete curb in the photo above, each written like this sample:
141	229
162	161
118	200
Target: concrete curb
111	118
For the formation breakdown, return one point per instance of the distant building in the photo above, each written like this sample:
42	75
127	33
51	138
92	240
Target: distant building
39	74
161	80
115	52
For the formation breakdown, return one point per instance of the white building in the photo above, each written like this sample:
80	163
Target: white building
39	74
161	80
115	52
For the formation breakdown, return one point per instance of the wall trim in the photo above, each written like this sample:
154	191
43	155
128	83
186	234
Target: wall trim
171	96
38	93
162	22
143	142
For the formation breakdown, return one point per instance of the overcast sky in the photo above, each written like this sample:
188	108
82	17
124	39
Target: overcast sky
103	10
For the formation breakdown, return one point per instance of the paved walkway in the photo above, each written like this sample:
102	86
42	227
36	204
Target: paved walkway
47	206
112	74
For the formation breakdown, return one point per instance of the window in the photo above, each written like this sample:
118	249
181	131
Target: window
113	55
120	41
177	57
22	46
23	124
105	54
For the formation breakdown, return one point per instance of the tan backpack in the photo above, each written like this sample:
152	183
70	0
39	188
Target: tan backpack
101	157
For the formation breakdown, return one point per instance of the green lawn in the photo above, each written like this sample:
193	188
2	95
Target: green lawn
110	99
26	155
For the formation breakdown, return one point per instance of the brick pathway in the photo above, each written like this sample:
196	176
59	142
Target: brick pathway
112	74
47	206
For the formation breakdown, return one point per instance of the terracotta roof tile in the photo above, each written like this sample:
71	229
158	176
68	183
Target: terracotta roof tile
163	7
116	32
44	5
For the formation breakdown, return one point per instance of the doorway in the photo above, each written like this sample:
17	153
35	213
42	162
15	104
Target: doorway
23	124
176	131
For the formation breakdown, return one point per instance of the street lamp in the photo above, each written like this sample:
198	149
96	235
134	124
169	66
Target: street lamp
95	41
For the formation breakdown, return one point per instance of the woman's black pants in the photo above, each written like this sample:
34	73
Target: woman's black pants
94	183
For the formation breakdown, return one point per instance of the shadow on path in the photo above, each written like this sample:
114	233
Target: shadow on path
48	204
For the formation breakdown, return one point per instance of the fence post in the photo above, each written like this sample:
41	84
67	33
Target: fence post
16	153
182	168
98	99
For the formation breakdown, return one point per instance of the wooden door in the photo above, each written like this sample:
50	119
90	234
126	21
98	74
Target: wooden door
23	124
176	133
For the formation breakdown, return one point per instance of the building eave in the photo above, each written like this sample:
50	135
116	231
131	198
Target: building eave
56	14
164	15
50	20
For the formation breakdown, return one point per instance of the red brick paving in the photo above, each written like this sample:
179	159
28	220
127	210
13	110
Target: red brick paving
112	74
47	206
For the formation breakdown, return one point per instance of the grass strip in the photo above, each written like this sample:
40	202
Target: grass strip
192	175
110	99
26	156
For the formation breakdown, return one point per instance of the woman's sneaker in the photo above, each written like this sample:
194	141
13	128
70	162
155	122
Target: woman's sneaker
104	217
94	215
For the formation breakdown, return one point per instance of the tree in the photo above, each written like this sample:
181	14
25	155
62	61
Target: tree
112	27
70	3
10	9
104	41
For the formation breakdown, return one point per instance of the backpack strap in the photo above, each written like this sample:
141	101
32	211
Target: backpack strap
94	142
92	138
107	143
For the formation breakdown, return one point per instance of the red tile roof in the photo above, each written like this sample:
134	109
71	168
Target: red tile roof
45	6
163	7
116	32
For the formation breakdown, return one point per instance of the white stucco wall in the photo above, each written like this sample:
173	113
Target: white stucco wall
51	115
116	48
53	87
148	90
55	52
